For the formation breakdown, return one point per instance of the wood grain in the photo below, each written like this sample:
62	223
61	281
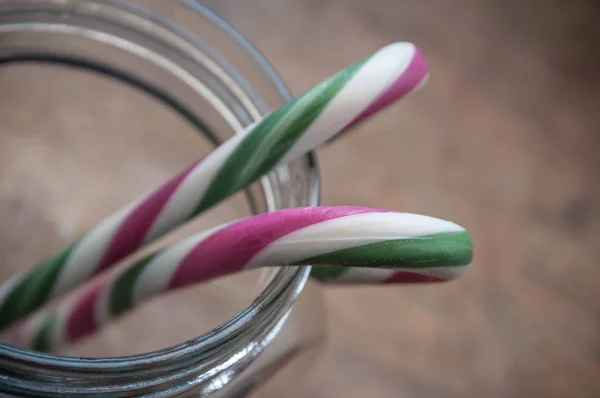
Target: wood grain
503	140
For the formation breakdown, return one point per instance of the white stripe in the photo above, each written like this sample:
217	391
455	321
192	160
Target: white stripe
192	189
355	275
58	334
7	287
422	83
345	232
85	257
374	77
158	272
27	332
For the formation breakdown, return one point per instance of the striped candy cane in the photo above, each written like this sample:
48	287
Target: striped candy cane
336	275
286	134
424	248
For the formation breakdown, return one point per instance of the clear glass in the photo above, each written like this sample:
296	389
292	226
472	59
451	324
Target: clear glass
101	102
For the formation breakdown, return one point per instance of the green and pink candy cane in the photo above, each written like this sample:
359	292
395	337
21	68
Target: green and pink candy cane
298	127
417	248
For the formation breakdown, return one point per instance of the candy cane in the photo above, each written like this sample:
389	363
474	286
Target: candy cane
286	134
342	236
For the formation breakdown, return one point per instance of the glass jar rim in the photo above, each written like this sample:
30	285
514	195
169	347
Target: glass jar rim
286	284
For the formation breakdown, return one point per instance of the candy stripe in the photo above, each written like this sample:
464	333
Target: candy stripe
181	204
7	287
58	334
450	248
102	308
340	234
33	289
289	132
276	136
81	263
248	238
416	251
407	80
359	275
41	342
377	76
81	320
347	236
121	296
365	276
159	271
326	273
137	223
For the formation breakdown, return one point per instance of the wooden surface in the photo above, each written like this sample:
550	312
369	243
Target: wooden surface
503	140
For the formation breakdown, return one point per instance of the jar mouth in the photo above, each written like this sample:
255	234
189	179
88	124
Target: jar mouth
263	315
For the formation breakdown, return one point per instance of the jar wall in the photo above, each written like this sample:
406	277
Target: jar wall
210	83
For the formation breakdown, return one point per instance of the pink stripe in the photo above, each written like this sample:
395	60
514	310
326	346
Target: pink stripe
81	320
409	79
133	229
228	250
404	277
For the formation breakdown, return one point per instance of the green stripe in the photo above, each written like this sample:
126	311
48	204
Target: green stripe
439	250
34	289
326	272
272	138
121	294
41	341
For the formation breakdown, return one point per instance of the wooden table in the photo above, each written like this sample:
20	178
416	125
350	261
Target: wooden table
503	140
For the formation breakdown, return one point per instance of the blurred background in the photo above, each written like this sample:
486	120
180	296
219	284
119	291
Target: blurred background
503	140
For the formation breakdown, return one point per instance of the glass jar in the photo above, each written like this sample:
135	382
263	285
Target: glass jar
76	77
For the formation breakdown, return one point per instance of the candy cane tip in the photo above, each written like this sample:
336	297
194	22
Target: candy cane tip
406	53
400	49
